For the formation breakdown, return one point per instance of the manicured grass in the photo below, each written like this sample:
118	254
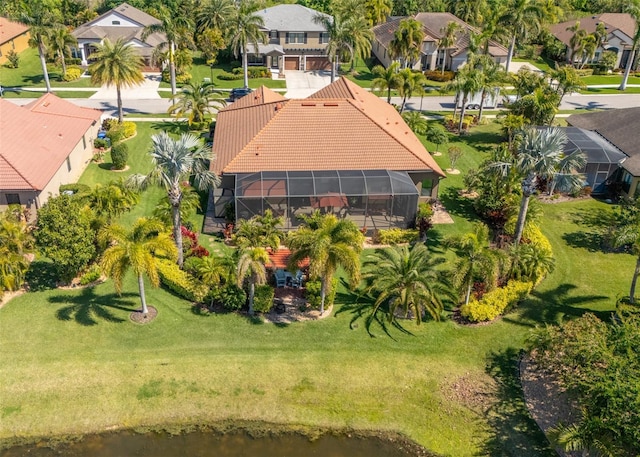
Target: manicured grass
29	74
610	90
609	79
16	93
74	363
540	62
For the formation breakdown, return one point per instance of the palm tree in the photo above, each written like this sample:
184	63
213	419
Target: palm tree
416	122
448	40
567	80
628	234
409	83
477	261
40	19
136	249
386	78
589	45
538	107
260	231
340	43
530	263
632	8
520	18
116	64
251	266
467	82
540	155
214	14
189	204
575	40
437	135
406	44
407	279
246	28
174	162
470	11
197	99
215	270
15	242
491	76
13	268
361	36
378	10
328	243
61	42
174	28
113	199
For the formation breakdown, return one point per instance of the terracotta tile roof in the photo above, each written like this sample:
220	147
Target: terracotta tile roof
9	29
280	258
259	96
613	21
36	139
341	127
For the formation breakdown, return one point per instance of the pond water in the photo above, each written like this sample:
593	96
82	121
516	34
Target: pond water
205	444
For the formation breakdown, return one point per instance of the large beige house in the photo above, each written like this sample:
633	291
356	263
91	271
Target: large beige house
295	41
432	56
44	144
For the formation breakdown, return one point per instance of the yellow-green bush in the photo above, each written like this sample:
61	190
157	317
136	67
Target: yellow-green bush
72	74
396	236
180	282
496	302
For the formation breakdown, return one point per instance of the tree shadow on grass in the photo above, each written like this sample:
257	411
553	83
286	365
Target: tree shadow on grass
512	430
176	128
87	306
41	276
483	141
597	223
458	205
553	306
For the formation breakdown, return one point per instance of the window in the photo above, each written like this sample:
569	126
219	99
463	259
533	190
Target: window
13	199
115	22
68	164
84	142
296	37
324	37
427	187
274	37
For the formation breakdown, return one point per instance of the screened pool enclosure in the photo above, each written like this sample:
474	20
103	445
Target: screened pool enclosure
375	199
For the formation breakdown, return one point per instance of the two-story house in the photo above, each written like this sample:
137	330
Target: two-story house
295	40
124	22
432	55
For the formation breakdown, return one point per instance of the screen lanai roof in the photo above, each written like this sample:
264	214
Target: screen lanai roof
341	127
595	147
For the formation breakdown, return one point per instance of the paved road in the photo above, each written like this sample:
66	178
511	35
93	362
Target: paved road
439	103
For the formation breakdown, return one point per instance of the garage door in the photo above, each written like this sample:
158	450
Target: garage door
291	63
318	63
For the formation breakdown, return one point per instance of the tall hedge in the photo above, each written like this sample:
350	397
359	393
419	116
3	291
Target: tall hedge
120	156
180	282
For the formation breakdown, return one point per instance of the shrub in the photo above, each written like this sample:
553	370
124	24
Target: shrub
496	302
128	129
109	123
230	296
584	71
180	282
263	298
396	236
253	72
73	61
75	188
91	275
99	143
313	293
119	156
13	59
226	76
117	132
436	75
72	74
181	77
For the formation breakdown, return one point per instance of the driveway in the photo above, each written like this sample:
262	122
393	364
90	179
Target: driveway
301	84
148	90
515	66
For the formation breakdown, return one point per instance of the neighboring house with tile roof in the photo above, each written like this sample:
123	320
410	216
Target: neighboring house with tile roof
620	28
341	150
294	40
124	22
44	144
431	56
13	37
616	127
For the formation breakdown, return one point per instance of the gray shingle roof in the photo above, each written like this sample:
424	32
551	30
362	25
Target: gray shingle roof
291	18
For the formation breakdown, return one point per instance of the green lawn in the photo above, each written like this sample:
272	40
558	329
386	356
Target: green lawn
29	74
73	363
611	90
16	93
609	79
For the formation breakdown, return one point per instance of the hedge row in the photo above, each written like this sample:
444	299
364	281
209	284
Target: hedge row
396	236
496	302
180	282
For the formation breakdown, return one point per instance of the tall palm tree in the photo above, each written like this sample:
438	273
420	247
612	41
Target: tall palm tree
214	14
470	11
628	234
378	10
406	44
448	40
386	78
40	19
176	161
260	231
540	155
632	8
197	100
135	249
466	82
567	80
116	64
520	18
361	36
491	76
251	266
476	260
407	279
589	45
246	28
174	28
575	40
328	243
340	43
409	83
61	42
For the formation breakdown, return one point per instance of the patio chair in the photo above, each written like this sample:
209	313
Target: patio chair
281	278
297	281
